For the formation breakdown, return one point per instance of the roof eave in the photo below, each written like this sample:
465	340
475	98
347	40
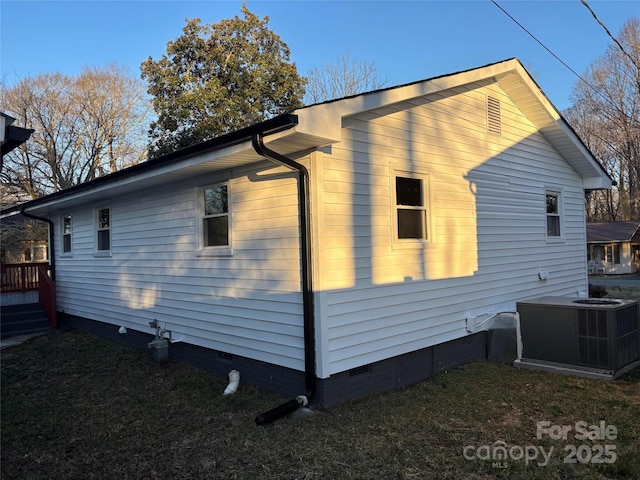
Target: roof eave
534	103
324	120
226	145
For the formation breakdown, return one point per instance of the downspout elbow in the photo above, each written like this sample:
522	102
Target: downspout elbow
234	382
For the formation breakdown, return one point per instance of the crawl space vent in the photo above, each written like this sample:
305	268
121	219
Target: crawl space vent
360	370
494	121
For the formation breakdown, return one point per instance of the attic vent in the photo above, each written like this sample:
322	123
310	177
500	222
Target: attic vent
494	122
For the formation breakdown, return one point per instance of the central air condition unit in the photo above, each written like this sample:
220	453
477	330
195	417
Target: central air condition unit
592	337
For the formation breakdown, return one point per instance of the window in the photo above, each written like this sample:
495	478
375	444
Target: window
411	212
66	234
553	214
104	229
613	254
215	216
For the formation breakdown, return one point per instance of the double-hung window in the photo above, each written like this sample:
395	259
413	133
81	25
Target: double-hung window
554	214
215	224
103	229
66	233
411	207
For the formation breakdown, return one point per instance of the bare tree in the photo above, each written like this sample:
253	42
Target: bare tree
342	78
115	116
606	114
22	239
85	127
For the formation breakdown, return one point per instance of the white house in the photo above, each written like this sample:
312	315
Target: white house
344	248
613	247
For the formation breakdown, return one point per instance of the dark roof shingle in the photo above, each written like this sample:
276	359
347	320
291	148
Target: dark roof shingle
612	231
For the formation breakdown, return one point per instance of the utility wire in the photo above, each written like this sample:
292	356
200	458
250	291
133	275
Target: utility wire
609	33
542	44
607	100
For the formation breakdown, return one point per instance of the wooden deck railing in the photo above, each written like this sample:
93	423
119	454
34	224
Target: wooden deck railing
19	277
24	277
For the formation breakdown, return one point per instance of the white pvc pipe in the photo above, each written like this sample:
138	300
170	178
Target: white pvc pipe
234	381
518	338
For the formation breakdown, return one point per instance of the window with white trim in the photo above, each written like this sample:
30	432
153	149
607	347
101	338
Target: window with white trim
215	222
66	233
411	207
103	229
554	214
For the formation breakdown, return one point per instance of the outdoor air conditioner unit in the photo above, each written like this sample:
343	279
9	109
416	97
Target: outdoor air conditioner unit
591	337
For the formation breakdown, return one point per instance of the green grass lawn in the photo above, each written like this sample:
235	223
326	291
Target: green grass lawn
75	406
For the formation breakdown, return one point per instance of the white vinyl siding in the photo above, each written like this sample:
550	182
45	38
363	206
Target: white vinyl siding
249	304
489	228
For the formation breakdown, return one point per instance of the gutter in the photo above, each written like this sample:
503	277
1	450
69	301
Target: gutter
52	256
307	281
271	126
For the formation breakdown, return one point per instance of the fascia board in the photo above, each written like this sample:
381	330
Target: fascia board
595	170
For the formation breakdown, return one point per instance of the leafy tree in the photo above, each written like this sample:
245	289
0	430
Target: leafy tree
342	78
214	78
606	115
85	127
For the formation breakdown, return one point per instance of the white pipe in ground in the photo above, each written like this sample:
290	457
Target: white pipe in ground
234	381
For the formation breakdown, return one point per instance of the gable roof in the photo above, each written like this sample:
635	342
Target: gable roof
613	232
320	125
512	77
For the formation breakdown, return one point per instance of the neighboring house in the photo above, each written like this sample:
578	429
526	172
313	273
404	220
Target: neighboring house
22	240
427	208
614	247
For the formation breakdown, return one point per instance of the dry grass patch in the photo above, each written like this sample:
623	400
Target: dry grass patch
77	406
630	293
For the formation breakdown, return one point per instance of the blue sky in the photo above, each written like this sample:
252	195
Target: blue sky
407	40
